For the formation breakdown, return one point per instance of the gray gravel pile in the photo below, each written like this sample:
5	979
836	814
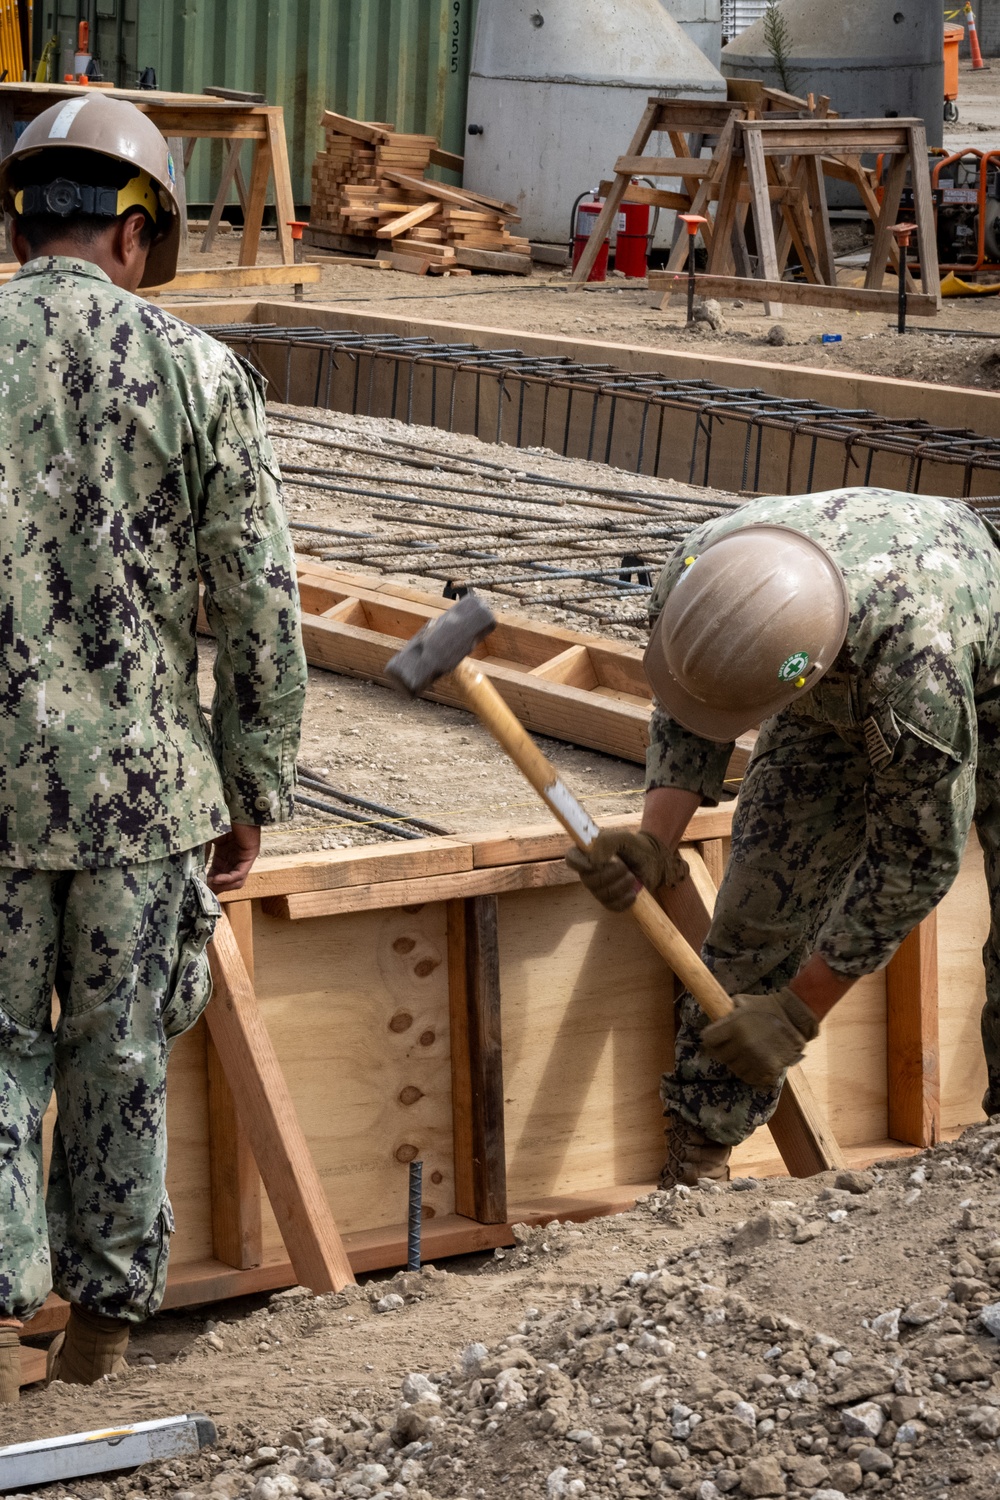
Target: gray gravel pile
687	1375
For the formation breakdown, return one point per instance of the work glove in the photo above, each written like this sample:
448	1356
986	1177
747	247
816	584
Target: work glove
761	1037
609	867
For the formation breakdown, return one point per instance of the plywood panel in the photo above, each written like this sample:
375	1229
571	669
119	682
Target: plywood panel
189	1180
963	922
587	1031
188	1172
357	1006
846	1066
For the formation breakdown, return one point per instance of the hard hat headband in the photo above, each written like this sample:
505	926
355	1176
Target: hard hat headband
64	197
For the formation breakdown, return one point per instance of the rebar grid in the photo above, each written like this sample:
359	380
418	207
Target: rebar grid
594	399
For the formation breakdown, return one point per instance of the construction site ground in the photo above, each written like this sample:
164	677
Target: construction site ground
620	311
809	1338
813	1339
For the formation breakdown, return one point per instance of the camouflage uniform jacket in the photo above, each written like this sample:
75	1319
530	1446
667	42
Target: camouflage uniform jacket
134	456
919	669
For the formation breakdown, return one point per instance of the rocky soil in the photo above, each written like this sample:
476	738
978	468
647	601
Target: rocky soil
805	1339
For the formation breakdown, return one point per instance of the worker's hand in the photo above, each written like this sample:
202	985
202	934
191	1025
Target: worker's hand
610	866
232	857
762	1037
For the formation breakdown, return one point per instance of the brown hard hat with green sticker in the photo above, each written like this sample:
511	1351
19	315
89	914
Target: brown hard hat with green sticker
752	623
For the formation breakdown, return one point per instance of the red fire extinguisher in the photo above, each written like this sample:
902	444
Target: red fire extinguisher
585	217
632	244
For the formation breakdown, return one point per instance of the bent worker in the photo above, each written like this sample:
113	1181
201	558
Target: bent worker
134	458
861	630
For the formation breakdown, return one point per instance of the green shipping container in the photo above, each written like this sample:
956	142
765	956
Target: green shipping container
402	61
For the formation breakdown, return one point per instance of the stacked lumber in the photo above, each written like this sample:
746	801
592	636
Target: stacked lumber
370	181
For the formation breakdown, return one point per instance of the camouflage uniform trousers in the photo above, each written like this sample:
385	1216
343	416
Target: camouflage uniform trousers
798	830
124	950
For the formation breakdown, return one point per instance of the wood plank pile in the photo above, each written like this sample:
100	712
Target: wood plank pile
370	182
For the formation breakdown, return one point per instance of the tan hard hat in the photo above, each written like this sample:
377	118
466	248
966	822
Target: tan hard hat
114	128
750	624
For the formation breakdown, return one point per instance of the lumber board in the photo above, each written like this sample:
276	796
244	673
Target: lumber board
830	137
847	298
413	265
407	221
655	197
462	197
366	866
352	867
359	130
268	1116
237	1231
963	923
300	907
914	1071
477	1059
504	262
663	166
591	719
449	160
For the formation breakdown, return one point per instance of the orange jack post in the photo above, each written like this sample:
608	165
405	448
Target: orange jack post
692	223
902	234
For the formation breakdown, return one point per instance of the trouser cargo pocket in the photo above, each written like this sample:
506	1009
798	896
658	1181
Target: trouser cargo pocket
192	986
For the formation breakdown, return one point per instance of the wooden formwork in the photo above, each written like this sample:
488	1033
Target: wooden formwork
467	1002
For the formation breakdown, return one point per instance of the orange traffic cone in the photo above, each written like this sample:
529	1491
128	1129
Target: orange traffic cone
970	21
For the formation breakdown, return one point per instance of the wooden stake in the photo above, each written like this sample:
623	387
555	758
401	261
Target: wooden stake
914	1077
477	1059
268	1116
237	1232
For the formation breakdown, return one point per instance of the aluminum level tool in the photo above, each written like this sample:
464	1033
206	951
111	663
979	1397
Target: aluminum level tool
53	1459
443	647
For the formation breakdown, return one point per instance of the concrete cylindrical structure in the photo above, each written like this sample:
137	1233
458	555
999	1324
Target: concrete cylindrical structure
701	22
873	57
556	91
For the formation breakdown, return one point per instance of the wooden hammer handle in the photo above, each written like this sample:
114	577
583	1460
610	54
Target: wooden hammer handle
488	706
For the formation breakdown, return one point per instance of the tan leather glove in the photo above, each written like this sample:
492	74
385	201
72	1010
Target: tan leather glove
762	1037
609	867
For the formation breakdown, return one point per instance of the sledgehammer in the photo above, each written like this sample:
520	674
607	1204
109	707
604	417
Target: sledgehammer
443	647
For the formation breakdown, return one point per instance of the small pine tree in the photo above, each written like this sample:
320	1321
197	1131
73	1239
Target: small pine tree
778	40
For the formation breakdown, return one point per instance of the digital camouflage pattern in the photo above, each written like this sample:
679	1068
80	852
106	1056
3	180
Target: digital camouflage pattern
135	455
124	948
856	806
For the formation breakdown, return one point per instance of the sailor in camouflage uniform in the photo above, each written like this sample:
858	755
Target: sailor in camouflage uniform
134	461
863	628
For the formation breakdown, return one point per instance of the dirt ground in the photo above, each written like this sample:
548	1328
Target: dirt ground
622	312
810	1339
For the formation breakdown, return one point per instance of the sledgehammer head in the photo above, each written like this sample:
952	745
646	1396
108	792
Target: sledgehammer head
440	646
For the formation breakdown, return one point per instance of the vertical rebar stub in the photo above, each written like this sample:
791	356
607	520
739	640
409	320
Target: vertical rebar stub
414	1215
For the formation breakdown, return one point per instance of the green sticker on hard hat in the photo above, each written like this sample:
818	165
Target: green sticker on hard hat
793	666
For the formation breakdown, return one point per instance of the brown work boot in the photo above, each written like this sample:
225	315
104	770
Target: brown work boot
691	1155
10	1363
92	1346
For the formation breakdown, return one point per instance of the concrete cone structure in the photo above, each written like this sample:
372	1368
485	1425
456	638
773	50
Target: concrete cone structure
873	57
556	90
701	22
